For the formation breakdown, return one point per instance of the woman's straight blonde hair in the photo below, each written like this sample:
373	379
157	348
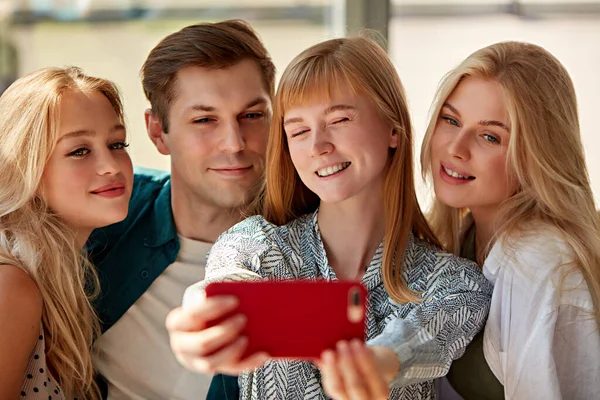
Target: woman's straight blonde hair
35	239
545	154
360	64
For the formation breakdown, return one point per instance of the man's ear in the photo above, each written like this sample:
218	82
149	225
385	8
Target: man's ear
155	132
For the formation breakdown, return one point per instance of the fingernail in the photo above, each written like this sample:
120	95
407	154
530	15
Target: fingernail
342	346
231	301
240	320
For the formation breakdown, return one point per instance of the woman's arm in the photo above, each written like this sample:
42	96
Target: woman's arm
576	350
541	340
20	316
544	351
453	310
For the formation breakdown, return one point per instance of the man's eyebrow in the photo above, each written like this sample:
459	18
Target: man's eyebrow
202	107
257	101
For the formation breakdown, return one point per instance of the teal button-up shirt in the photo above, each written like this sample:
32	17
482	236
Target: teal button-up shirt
130	255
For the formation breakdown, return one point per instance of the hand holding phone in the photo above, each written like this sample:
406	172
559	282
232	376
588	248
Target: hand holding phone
357	371
217	348
296	319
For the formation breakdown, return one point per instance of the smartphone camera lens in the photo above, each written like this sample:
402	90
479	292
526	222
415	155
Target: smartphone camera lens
355	310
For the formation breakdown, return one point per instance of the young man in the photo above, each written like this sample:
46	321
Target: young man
210	88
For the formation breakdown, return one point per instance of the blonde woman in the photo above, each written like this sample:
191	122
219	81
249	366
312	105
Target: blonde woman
64	171
340	203
503	149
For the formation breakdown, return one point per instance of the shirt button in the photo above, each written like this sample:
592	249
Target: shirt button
144	274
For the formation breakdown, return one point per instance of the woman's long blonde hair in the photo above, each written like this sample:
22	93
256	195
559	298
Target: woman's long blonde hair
545	153
32	237
315	74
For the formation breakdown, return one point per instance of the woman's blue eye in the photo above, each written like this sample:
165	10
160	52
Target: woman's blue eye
490	138
451	121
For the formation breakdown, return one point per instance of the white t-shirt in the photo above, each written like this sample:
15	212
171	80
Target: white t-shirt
541	341
135	357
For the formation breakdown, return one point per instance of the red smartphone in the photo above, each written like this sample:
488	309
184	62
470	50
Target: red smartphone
297	318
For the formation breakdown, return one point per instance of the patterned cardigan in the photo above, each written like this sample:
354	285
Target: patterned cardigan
455	303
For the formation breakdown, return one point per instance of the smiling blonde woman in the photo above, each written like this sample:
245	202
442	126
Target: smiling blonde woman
512	191
64	171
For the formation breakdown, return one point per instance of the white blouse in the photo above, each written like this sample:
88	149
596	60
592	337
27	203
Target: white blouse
541	339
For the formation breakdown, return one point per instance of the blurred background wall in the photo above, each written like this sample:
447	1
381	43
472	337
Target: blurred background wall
425	38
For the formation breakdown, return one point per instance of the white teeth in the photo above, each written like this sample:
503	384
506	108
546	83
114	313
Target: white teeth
333	169
454	174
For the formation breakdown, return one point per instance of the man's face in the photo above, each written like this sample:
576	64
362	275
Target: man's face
218	130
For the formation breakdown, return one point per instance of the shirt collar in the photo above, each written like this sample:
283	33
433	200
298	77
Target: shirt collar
162	226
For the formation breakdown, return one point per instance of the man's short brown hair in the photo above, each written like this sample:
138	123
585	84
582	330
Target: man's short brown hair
206	45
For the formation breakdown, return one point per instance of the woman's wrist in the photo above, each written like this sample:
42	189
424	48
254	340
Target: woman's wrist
388	362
